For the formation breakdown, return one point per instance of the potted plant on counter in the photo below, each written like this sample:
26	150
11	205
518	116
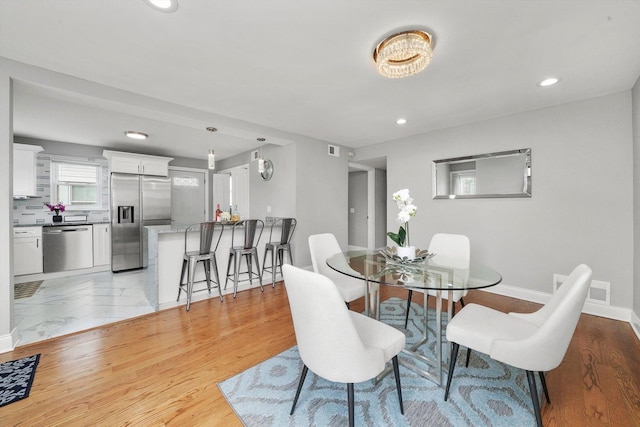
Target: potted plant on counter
57	208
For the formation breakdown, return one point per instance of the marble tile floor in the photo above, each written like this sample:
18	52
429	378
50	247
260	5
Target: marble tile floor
70	304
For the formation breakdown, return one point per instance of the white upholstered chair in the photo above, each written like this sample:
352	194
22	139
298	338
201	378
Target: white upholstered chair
451	251
334	342
322	246
535	342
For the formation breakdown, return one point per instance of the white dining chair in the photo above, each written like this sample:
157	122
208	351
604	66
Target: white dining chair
452	252
322	246
334	342
535	342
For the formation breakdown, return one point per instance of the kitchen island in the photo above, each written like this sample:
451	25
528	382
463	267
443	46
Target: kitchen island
165	249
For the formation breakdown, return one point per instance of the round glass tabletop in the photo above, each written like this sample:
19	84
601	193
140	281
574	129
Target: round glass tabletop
443	273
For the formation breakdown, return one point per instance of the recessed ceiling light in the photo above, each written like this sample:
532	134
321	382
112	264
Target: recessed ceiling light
549	81
136	135
167	6
401	121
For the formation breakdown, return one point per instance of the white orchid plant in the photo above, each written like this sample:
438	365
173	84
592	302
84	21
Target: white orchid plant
407	211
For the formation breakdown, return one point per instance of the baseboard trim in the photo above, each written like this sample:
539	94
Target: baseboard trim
610	312
635	324
8	342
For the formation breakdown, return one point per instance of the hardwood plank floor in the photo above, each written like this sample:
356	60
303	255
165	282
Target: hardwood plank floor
162	368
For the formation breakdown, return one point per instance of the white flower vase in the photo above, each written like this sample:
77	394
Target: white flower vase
408	252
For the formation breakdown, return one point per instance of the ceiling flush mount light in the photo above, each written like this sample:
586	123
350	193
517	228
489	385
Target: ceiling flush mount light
549	81
401	121
166	6
136	135
403	54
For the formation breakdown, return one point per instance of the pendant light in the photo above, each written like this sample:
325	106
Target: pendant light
212	155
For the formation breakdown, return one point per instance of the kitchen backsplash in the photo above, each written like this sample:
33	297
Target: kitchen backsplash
33	211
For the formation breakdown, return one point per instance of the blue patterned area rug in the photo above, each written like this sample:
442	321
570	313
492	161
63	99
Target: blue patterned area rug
16	378
487	393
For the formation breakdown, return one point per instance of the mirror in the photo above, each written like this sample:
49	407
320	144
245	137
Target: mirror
502	174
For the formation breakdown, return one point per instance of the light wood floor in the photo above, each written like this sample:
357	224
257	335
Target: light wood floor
162	368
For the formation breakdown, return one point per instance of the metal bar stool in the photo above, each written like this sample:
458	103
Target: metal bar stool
278	247
205	255
248	250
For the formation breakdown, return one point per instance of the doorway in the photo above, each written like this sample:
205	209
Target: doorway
367	204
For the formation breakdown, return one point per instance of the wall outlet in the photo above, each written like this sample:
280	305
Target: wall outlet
352	210
268	208
599	291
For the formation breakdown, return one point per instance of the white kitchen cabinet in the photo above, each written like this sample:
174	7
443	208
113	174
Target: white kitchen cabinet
101	244
142	164
24	170
27	250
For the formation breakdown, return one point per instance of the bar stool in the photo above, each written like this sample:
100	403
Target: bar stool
278	247
248	250
205	255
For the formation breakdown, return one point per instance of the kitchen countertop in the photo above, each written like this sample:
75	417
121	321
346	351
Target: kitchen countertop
58	224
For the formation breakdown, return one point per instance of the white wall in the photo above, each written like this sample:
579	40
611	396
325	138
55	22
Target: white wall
582	205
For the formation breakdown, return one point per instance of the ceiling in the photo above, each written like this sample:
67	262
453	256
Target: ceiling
289	69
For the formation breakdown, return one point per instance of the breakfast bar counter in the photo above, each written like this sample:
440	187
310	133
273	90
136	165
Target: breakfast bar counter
165	249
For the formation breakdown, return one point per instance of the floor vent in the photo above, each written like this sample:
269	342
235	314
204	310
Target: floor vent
599	292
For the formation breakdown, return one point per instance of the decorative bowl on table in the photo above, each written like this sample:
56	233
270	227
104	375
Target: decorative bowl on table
390	253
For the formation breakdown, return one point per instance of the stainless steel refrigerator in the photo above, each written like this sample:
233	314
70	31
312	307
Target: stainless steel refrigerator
136	201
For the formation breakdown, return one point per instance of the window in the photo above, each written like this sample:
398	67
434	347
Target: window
76	185
463	183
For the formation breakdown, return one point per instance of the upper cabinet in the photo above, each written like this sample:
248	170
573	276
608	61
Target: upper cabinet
141	164
24	170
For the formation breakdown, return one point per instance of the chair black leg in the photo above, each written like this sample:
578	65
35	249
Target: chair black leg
466	363
534	397
184	270
303	375
396	372
350	399
462	301
544	386
406	317
452	364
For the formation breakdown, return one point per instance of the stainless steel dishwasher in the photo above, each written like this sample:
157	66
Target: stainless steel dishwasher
67	247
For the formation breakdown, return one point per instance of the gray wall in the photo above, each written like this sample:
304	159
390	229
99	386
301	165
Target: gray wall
307	184
358	202
581	210
381	208
322	195
636	201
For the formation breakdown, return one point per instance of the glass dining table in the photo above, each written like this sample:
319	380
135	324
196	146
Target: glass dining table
442	275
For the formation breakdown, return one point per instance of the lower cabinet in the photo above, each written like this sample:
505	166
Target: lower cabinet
101	244
27	250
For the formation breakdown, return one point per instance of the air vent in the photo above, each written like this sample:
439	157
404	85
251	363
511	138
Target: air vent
334	150
599	292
